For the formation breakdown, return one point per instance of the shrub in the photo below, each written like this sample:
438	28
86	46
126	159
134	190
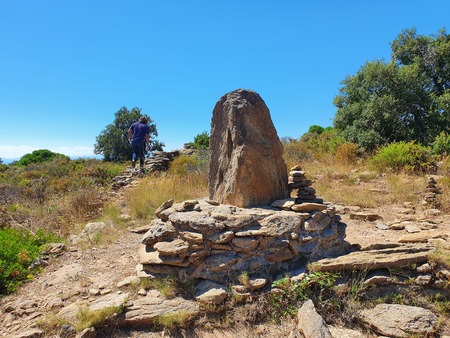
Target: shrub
314	285
325	142
38	156
85	203
441	144
401	156
347	153
296	152
183	165
19	250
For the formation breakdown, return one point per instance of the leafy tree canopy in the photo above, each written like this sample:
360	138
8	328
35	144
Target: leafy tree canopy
316	129
113	143
39	156
406	99
201	141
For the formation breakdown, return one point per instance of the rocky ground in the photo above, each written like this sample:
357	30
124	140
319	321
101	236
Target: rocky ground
87	273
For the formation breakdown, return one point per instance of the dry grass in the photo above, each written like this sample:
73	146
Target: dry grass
357	184
154	190
87	318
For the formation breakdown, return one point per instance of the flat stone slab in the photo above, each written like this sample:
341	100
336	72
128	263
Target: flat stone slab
421	237
395	320
400	256
147	310
365	216
308	207
284	204
173	248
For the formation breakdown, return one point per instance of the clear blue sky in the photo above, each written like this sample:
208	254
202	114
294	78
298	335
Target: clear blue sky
67	66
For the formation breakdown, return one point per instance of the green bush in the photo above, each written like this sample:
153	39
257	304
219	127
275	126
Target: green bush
441	144
292	293
18	251
403	156
326	142
39	156
201	141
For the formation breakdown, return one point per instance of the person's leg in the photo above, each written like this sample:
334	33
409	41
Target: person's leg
142	155
136	152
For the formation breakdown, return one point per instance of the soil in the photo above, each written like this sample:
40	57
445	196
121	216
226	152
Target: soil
81	272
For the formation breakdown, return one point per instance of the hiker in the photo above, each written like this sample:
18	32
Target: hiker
139	136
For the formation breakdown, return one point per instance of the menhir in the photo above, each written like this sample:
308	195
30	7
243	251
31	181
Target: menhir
246	156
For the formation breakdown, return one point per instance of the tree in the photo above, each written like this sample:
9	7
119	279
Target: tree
113	143
39	156
316	129
201	141
406	99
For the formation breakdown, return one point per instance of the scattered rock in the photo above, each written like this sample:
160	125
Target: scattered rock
396	320
365	216
128	281
310	323
210	293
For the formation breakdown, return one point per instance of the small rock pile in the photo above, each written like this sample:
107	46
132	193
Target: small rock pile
306	199
160	160
305	193
429	195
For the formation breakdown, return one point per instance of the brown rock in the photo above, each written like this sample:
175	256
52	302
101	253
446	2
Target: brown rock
310	323
146	310
401	256
284	204
246	163
365	216
173	248
308	207
244	244
166	205
421	237
395	320
159	231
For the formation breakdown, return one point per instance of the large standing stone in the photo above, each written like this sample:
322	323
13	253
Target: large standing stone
246	164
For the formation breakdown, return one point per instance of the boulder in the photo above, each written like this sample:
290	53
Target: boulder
246	163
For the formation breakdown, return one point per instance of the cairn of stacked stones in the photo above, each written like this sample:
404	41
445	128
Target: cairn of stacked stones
429	195
306	199
298	181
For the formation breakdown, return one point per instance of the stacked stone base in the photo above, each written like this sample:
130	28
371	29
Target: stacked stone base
204	240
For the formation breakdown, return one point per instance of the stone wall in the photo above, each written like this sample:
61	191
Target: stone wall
206	240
